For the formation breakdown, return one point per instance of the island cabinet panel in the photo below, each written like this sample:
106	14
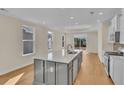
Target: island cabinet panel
50	73
57	71
75	68
70	72
38	71
61	74
79	60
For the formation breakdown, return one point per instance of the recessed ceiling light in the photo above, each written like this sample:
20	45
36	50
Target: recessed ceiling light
71	17
100	13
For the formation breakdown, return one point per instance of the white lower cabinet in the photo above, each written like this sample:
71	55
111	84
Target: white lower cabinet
117	72
111	67
117	69
121	71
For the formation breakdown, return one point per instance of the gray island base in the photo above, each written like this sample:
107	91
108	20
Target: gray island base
57	68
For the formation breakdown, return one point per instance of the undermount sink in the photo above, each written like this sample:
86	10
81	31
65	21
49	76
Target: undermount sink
72	52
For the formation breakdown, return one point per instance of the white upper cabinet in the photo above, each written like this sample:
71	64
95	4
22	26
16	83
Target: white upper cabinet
114	27
113	24
122	29
116	23
111	35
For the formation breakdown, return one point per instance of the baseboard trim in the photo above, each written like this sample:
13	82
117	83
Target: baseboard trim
18	68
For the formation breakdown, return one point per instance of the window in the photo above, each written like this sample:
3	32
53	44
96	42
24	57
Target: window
28	40
49	40
63	41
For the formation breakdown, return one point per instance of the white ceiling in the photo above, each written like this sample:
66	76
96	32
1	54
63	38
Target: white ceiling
59	18
81	35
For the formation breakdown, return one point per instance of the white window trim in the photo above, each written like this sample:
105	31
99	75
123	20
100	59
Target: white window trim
51	49
33	32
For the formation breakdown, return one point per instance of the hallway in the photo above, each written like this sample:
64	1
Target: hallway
92	72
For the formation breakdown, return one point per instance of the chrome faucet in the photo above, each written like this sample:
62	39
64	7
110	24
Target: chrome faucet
69	48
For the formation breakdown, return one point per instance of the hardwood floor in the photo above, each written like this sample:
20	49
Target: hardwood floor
91	73
23	76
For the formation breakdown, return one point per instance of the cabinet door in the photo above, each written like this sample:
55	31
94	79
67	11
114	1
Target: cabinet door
111	67
50	73
118	66
116	23
117	72
113	24
38	71
80	60
61	74
122	29
75	68
121	71
111	35
70	74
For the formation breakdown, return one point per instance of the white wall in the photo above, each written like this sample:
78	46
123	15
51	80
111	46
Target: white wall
107	46
100	43
70	38
92	42
103	44
57	38
11	45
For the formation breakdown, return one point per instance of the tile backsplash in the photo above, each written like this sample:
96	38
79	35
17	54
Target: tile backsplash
117	46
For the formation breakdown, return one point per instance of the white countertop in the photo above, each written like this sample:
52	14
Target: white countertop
59	56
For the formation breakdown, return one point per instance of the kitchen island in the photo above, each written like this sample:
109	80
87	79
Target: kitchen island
57	68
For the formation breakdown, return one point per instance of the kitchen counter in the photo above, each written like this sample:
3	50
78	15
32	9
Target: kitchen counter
60	56
114	53
57	67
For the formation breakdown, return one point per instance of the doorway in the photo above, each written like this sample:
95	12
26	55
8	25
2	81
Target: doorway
80	41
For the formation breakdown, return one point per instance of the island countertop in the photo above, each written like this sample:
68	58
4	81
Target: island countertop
60	56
